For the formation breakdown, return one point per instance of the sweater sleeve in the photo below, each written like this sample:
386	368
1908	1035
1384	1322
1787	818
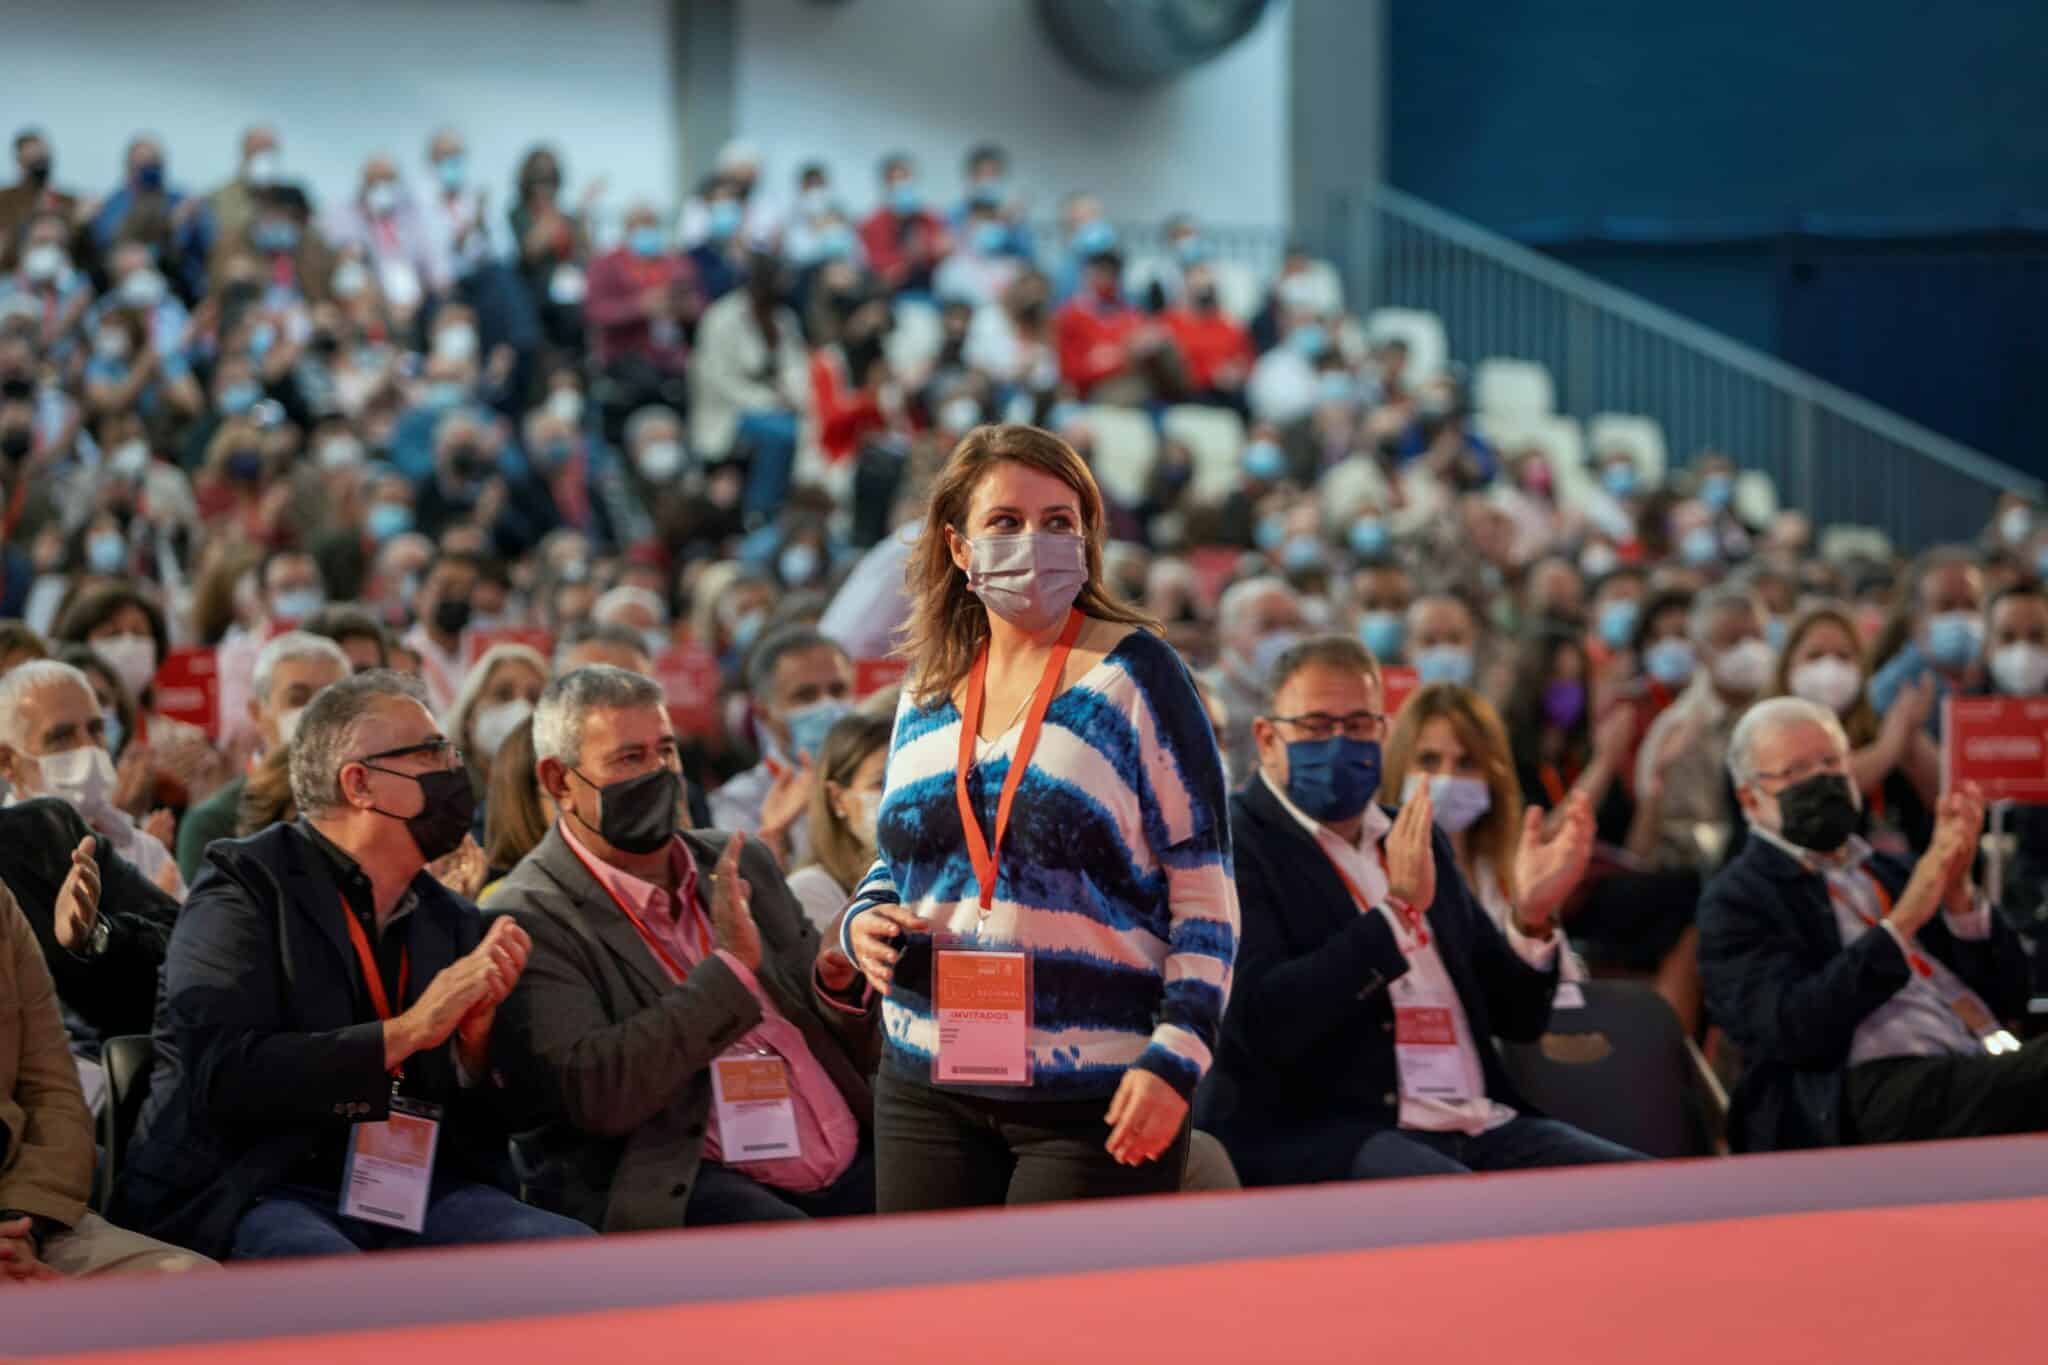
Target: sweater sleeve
45	1165
1181	784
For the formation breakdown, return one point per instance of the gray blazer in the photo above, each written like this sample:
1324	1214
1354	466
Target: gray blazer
612	1059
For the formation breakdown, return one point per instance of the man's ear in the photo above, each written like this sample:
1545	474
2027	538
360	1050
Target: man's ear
256	713
10	762
553	776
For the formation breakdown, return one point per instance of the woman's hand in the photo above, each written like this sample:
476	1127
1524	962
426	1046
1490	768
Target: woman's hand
877	941
1548	868
1145	1118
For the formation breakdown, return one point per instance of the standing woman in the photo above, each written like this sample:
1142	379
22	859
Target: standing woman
1050	913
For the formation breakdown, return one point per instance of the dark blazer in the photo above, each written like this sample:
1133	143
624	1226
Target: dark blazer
1309	1035
269	1050
114	993
1790	995
617	1056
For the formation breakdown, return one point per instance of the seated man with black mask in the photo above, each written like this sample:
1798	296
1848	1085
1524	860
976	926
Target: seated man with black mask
1866	996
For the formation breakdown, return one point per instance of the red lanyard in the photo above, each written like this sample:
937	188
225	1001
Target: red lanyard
686	893
1884	899
1409	915
372	976
985	852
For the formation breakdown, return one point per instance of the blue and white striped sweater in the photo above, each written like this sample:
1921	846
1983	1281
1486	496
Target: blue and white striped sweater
1114	876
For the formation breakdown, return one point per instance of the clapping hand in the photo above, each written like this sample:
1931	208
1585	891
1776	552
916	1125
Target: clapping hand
78	899
1548	868
1411	853
732	916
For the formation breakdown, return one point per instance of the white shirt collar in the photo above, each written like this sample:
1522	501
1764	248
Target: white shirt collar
1375	828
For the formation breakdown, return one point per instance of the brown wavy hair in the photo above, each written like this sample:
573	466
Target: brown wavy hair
948	624
1496	835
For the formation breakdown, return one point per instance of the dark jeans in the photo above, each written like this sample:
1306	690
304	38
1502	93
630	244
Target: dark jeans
1919	1099
1354	1149
935	1150
299	1221
770	440
725	1195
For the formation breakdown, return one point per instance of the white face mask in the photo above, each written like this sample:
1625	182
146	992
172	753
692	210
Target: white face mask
494	724
1830	682
43	262
456	341
2020	669
661	461
132	658
1030	579
82	778
1746	668
1455	803
861	821
566	404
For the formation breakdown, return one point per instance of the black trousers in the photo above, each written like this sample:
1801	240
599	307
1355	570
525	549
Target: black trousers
935	1150
1918	1099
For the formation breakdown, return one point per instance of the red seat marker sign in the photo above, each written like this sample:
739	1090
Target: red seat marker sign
2000	743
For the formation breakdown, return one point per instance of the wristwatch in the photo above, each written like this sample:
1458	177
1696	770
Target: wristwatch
96	941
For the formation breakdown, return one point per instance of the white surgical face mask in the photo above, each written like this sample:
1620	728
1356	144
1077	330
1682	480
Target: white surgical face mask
288	725
1746	668
81	777
2020	669
567	405
1455	803
132	658
456	341
494	724
661	461
1030	579
866	805
1830	682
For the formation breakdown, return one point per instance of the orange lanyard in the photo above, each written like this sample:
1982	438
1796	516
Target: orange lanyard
373	978
1884	899
986	852
686	893
1410	916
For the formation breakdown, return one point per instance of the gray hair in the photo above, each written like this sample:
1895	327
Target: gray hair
653	414
1711	603
456	722
776	645
330	733
1239	598
33	676
1768	718
293	644
568	701
622	637
628	595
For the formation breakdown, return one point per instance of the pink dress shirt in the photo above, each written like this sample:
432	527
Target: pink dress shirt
678	926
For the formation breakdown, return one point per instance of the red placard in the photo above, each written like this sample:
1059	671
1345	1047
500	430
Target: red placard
688	675
2000	743
188	688
1214	566
533	637
1397	684
872	675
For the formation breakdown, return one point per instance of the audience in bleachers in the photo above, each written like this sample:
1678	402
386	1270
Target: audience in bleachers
489	451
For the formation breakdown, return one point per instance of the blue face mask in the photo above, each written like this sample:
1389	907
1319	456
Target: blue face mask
297	604
645	240
1381	631
245	466
388	519
106	553
1774	631
275	236
2041	564
149	176
1444	664
1619	479
452	171
237	399
988	194
1332	779
1670	662
1617	622
1094	238
1264	462
1699	546
1955	639
1191	250
905	198
1268	650
809	725
1337	388
1717	491
261	338
798	564
1369	538
1271	533
115	734
835	243
990	238
1308	339
725	219
1302	552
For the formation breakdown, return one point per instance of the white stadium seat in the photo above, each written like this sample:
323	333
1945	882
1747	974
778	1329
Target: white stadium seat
1756	497
1215	438
1238	290
1428	349
1126	449
916	338
1513	388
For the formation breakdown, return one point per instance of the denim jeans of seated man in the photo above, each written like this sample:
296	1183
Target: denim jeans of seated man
725	1194
299	1221
1519	1144
770	440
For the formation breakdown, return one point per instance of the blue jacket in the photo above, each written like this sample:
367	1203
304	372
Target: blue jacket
1791	996
269	1051
1309	1034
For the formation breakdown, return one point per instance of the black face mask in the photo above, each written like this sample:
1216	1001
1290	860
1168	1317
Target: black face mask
16	443
17	388
37	171
637	814
447	809
451	615
1818	813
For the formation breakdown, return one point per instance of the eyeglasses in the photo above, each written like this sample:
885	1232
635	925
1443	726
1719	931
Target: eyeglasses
1363	725
440	747
1792	774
